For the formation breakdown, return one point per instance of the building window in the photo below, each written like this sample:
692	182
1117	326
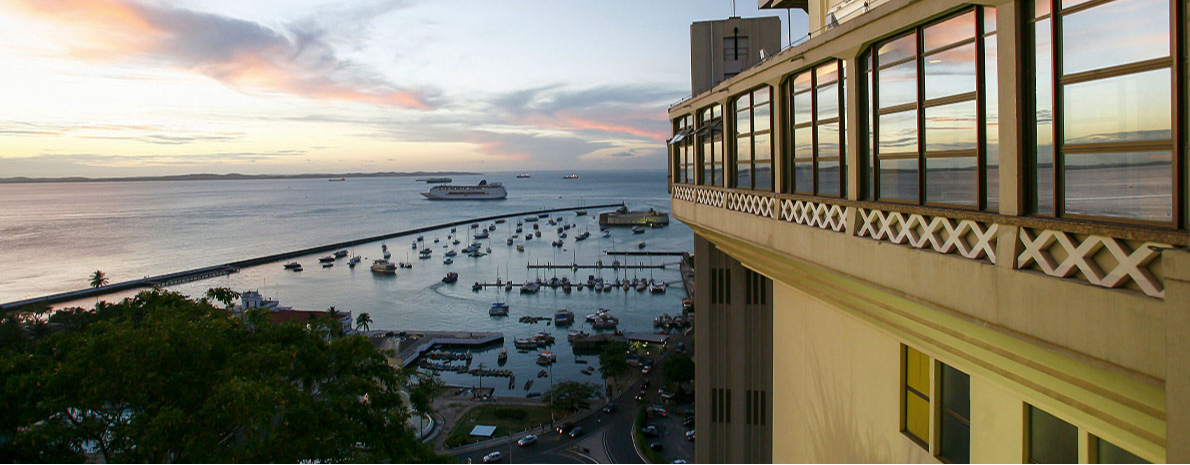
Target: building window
1106	452
932	133
682	148
1103	103
816	163
916	396
1051	440
735	48
954	427
710	145
753	140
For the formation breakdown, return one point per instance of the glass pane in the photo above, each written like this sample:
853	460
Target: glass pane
744	162
802	82
898	84
763	148
828	101
1116	33
764	176
828	73
989	19
956	391
1044	150
803	143
955	444
898	49
760	96
917	416
1110	453
828	140
761	120
828	177
952	180
1041	8
803	177
898	132
1127	108
802	107
1051	440
951	72
743	121
869	154
952	127
898	180
948	32
1120	185
992	129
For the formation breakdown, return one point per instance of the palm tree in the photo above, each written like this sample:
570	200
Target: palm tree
363	322
98	279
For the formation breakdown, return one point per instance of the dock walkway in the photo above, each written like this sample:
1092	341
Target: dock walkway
411	345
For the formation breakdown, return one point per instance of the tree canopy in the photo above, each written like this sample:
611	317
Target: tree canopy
613	361
568	394
679	368
161	378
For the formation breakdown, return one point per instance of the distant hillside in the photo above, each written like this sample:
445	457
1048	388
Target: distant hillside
237	177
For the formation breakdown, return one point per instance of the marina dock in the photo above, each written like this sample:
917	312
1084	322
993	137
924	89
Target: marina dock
411	345
228	268
597	266
644	253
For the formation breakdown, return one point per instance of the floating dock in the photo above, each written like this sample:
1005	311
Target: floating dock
411	345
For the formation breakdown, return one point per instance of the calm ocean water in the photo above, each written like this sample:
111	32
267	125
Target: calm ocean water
52	236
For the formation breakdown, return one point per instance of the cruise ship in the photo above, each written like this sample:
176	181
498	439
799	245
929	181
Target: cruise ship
482	191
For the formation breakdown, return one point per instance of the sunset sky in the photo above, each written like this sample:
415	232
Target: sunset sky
125	88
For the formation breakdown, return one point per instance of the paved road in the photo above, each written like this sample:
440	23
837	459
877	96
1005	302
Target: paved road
608	438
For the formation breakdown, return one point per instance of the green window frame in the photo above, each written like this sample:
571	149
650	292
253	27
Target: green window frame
753	145
815	159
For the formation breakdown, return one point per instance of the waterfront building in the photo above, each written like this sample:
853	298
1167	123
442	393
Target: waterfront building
941	231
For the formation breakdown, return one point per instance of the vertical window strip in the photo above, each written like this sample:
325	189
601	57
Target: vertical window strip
916	395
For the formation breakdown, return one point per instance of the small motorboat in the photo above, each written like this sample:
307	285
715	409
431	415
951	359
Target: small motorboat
498	309
640	245
341	254
424	254
327	259
450	277
406	265
530	287
638	230
502	356
354	261
451	253
293	266
328	265
607	233
448	261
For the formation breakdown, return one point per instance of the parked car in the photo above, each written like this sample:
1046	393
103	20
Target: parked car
609	408
657	446
690	435
565	428
641	395
650	431
574	433
646	369
688	422
527	440
492	457
657	410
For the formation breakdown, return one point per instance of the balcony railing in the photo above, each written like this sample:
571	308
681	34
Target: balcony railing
1104	255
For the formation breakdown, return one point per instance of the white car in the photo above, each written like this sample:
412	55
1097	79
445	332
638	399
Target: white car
527	440
492	457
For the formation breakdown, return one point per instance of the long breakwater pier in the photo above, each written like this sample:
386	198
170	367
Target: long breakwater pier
233	267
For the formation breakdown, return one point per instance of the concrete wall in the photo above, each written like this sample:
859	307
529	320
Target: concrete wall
709	66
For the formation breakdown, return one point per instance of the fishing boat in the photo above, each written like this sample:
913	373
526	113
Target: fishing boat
530	288
523	176
341	254
293	266
326	259
638	230
640	245
657	287
502	356
383	267
482	234
546	358
524	343
563	317
450	277
451	253
448	261
607	233
354	261
498	309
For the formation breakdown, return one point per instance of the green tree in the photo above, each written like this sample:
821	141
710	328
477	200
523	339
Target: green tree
422	393
161	378
223	295
613	361
568	394
98	279
679	369
363	322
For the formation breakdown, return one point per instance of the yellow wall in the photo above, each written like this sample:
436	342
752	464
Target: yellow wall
836	387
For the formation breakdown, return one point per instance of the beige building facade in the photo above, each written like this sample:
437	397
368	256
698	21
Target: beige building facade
941	231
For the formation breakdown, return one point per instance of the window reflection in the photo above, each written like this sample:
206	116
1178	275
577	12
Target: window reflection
898	132
898	179
952	127
952	180
753	149
710	136
950	31
817	165
1133	107
1116	33
1130	185
898	84
951	72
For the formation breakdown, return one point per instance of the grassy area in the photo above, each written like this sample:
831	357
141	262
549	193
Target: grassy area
642	441
507	419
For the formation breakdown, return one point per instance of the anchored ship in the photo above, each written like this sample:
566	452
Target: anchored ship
482	191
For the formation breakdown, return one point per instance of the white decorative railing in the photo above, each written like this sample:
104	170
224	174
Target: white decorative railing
967	238
1102	261
755	204
816	214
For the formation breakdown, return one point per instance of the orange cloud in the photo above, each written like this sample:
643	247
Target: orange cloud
238	53
568	122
